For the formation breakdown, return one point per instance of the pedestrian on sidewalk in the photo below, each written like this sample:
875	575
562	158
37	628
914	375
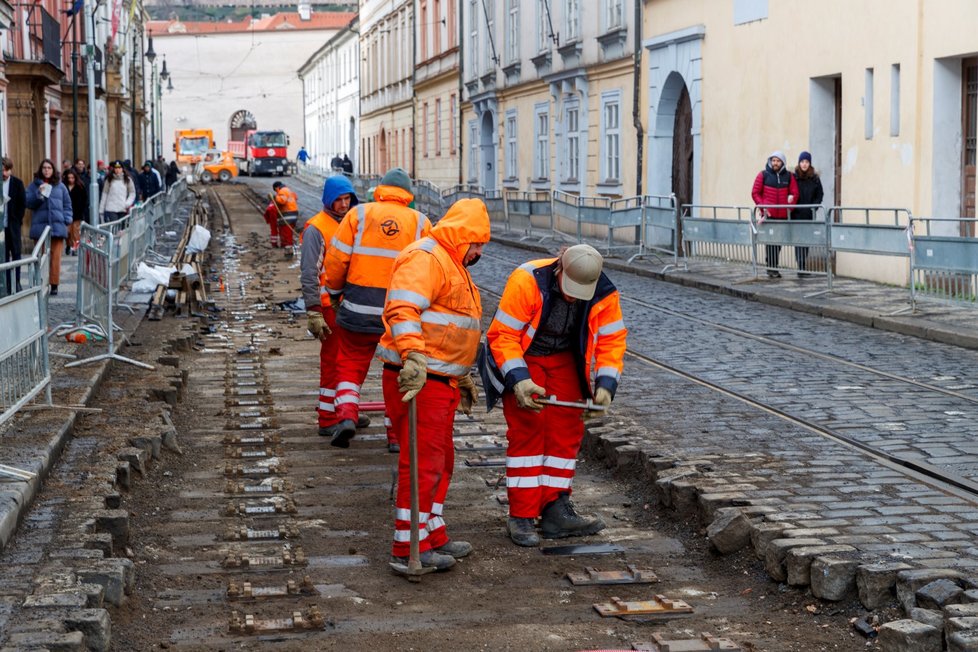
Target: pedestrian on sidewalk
79	209
774	186
81	168
338	197
172	174
50	205
433	319
358	272
148	182
118	193
558	325
15	198
809	193
287	218
303	155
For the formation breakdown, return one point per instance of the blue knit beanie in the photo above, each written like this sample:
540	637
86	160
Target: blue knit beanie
805	156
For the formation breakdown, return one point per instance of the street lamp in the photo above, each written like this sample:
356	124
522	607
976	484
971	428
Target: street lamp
164	77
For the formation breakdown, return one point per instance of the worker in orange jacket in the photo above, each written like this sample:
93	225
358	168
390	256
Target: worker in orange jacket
287	203
358	268
558	326
433	322
338	197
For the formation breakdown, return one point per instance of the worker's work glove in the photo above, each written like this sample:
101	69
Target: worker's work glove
602	397
334	302
316	325
413	375
525	391
468	394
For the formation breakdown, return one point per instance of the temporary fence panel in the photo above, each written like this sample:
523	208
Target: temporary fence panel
566	213
495	207
526	211
721	233
658	222
808	239
946	265
25	370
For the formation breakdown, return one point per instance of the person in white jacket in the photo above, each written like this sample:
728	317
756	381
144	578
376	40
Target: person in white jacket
118	194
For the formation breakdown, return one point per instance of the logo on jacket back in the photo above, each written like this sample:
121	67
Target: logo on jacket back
390	228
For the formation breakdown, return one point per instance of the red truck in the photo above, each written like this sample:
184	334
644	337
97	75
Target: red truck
261	152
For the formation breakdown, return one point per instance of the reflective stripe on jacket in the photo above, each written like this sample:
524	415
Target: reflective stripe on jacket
315	239
526	301
362	252
433	306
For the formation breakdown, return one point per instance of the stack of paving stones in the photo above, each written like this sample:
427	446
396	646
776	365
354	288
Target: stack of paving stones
67	569
844	528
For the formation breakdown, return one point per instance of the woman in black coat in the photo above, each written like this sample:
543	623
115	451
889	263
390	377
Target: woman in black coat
809	192
79	208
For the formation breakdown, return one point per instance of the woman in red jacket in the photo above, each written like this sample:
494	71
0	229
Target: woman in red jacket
774	186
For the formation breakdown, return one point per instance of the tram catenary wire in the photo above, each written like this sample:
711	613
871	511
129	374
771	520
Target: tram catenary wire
915	469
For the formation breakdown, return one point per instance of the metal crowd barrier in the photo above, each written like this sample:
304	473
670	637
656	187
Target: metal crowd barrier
657	217
721	233
809	240
944	259
524	211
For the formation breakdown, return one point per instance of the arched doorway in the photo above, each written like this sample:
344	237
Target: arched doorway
682	154
487	142
241	121
382	163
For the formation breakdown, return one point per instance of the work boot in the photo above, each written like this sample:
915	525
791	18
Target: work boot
54	289
363	421
393	447
773	273
456	549
522	532
430	559
328	431
559	520
345	431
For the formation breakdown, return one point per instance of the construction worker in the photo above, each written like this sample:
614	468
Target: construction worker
338	197
433	322
558	325
287	203
358	268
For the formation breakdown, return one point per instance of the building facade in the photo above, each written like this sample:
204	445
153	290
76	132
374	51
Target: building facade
223	70
387	103
883	94
437	92
331	99
549	90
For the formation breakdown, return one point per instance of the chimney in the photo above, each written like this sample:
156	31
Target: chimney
305	11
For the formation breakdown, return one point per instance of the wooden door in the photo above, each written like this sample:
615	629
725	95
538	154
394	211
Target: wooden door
969	134
682	155
837	145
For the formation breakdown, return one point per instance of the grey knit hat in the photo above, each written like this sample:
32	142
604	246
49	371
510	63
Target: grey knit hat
398	177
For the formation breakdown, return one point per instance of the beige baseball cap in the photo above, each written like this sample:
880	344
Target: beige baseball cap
580	267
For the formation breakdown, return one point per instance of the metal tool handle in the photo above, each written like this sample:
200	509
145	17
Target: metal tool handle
414	560
580	405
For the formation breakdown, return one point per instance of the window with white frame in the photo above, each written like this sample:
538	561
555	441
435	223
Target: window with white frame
490	12
541	134
543	29
424	130
438	126
452	120
572	20
611	137
474	9
473	151
612	14
572	142
512	148
513	31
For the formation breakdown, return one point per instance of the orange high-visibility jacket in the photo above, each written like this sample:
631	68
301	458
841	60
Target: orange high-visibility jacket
315	239
362	252
287	201
433	306
526	299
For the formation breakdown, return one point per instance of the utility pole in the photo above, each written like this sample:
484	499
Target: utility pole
74	90
90	75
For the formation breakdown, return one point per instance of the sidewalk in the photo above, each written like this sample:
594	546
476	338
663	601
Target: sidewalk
860	302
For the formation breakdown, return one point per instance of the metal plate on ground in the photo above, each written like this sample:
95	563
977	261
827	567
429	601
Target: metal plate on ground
276	468
248	624
483	460
632	575
287	558
245	533
658	605
705	643
583	549
277	485
247	591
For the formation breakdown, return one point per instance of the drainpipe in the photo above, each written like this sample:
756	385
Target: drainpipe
636	95
461	88
414	98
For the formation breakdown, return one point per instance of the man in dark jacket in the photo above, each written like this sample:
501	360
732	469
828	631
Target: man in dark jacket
774	186
148	184
15	198
347	164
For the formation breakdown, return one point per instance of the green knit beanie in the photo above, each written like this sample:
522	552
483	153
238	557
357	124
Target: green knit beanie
397	177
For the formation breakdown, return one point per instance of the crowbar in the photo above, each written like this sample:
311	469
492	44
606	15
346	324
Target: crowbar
586	405
413	570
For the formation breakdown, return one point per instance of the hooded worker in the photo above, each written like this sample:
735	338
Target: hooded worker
358	268
432	320
338	198
558	326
